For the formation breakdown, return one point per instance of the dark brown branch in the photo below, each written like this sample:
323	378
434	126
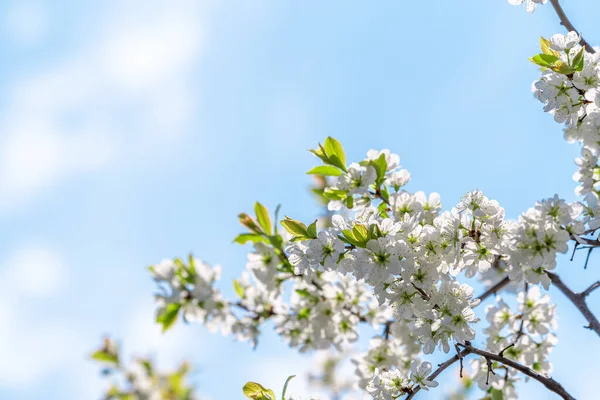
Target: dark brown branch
548	382
564	21
578	299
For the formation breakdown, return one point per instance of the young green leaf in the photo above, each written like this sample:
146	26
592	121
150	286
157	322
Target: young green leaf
105	357
545	46
380	165
294	227
168	316
244	238
496	394
361	233
578	60
256	391
335	153
312	230
350	236
326	170
303	292
239	290
544	60
276	218
349	201
562	68
320	152
335	194
263	218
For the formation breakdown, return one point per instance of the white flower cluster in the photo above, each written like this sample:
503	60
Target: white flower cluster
541	233
411	257
188	289
570	91
326	311
525	337
391	384
140	379
392	259
530	4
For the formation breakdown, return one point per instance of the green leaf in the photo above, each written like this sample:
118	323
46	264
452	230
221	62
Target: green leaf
262	216
385	194
349	237
239	290
276	217
320	152
374	232
544	60
256	391
192	266
361	233
349	202
294	227
335	194
168	316
380	165
577	62
562	68
304	313
357	236
244	238
326	170
496	394
545	46
105	357
312	230
286	385
303	292
335	153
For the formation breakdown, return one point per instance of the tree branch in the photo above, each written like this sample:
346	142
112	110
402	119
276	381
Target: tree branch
548	382
564	21
578	299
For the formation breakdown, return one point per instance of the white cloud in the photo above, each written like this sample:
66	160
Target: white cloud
125	92
33	346
33	271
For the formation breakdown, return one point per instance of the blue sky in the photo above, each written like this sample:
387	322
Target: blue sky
132	131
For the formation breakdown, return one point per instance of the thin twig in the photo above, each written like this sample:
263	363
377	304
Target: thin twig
460	359
578	299
386	329
589	290
564	21
501	354
489	369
